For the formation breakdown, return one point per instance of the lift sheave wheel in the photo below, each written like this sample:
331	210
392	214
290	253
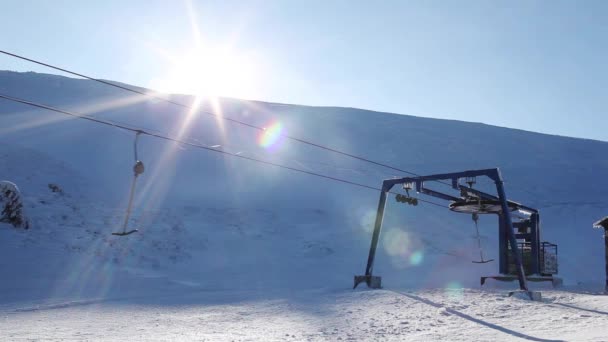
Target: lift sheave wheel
479	207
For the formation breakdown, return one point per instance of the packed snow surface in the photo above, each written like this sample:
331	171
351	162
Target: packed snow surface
313	315
229	249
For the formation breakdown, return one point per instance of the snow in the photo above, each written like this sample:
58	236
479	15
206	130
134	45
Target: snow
315	315
231	250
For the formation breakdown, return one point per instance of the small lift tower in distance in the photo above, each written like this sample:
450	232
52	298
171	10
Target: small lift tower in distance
603	223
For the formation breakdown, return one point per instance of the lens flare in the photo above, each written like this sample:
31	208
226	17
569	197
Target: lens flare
454	290
366	223
271	136
396	242
404	248
416	258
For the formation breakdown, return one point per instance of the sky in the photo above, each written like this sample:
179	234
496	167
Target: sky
533	65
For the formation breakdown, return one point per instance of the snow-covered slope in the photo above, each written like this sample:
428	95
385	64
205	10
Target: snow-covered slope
213	222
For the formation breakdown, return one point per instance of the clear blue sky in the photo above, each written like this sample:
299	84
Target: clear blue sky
534	65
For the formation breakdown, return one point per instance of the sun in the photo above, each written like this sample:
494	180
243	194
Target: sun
208	72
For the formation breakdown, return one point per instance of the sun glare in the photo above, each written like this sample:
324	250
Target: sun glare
208	72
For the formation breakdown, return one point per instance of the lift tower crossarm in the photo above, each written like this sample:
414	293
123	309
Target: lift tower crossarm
493	174
434	193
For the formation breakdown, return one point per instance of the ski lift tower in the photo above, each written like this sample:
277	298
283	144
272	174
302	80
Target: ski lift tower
603	223
522	254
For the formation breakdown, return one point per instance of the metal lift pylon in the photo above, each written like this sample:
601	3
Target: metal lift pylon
494	174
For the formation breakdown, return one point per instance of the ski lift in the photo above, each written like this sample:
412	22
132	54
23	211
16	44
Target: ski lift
138	169
475	217
483	208
471	201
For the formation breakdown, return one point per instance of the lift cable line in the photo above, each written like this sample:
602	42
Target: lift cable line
160	98
196	145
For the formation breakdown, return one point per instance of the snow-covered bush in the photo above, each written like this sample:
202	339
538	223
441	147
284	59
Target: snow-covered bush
11	205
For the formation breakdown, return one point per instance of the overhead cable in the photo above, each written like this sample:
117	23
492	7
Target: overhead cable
188	143
160	98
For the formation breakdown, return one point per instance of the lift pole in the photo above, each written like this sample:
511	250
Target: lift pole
368	278
509	223
603	223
